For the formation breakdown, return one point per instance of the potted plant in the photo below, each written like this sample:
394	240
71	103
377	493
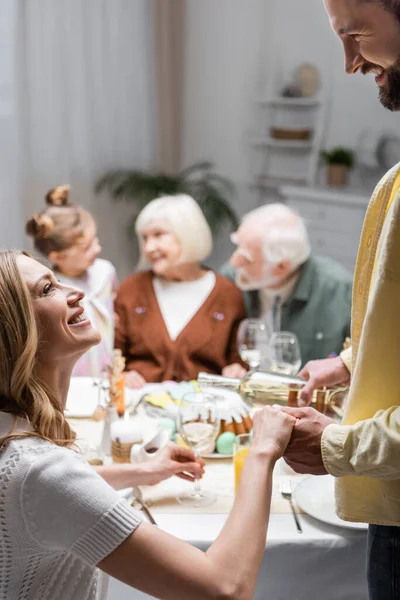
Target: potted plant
212	191
339	161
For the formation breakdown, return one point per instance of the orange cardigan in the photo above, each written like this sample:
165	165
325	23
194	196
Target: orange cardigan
207	343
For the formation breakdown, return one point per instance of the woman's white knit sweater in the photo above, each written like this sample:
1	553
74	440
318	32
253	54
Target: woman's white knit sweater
58	519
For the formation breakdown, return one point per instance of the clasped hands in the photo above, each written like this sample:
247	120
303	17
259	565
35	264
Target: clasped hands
304	451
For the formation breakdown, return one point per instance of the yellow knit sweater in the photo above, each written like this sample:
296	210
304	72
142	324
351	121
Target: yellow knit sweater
364	452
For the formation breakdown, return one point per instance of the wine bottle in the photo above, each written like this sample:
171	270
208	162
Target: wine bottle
259	388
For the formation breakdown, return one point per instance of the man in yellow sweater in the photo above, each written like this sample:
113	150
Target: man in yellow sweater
364	452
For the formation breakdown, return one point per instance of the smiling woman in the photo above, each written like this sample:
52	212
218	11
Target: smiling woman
195	312
67	332
58	518
67	235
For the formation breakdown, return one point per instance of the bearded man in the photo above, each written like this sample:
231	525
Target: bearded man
278	275
363	453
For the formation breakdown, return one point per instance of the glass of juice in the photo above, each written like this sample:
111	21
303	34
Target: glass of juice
241	448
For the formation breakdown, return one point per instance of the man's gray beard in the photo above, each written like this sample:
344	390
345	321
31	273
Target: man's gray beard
250	285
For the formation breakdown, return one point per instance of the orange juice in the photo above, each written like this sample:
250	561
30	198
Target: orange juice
238	462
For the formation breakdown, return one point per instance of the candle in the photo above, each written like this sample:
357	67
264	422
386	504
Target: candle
126	432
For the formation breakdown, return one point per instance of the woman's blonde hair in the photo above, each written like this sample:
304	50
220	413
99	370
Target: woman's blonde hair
60	225
182	216
22	391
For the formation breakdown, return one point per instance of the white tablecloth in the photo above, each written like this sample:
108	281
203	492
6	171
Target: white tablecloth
322	562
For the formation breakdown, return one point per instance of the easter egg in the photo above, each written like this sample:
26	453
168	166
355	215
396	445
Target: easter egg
225	443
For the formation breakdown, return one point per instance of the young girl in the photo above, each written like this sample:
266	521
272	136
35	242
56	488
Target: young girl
66	234
58	518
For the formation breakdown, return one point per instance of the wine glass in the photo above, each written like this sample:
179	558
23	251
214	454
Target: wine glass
285	353
198	425
253	337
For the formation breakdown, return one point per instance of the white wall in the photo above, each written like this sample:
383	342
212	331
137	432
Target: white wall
234	50
225	42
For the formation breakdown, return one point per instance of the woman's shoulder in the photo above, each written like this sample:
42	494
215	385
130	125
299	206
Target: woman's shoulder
135	280
20	455
32	448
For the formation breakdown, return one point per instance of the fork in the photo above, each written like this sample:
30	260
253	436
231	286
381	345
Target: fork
138	498
286	492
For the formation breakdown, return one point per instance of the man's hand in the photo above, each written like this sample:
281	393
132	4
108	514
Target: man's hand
319	373
303	453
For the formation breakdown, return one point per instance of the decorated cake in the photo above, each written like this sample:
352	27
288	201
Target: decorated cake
235	418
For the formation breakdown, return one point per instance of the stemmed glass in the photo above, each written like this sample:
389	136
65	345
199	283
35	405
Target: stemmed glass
253	342
285	353
198	425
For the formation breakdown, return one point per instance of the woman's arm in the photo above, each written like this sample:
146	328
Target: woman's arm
165	567
171	460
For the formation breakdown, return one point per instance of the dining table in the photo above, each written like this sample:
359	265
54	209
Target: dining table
323	561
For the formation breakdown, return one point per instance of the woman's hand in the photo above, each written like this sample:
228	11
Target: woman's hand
170	460
234	370
174	460
272	430
134	380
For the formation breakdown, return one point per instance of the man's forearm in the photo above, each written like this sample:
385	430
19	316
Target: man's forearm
369	448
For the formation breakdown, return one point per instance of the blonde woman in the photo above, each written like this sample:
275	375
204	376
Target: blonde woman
177	317
58	518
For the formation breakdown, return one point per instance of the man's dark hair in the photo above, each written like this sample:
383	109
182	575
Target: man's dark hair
392	6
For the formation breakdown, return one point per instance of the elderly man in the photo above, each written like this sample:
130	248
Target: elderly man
364	452
273	267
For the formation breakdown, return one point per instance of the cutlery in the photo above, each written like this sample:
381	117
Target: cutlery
132	409
286	492
138	497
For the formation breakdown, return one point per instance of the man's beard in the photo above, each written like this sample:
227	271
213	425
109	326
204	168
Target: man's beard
389	96
247	284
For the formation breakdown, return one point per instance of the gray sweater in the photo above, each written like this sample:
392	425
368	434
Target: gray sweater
58	519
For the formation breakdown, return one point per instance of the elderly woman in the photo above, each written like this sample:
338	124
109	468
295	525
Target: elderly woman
176	317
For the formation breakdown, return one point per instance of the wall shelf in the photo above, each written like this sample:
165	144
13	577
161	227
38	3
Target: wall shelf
283	161
290	102
284	144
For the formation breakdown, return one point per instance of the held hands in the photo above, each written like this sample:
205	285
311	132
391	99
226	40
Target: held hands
303	453
134	380
174	460
319	373
272	430
234	370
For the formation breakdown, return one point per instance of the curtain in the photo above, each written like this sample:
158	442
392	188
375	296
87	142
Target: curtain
169	43
86	103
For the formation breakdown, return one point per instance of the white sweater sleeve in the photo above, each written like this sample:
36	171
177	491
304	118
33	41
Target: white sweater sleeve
67	506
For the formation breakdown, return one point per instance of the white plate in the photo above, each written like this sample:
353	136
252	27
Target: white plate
83	397
216	455
316	497
223	394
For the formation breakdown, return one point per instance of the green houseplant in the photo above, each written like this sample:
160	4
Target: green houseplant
339	161
212	191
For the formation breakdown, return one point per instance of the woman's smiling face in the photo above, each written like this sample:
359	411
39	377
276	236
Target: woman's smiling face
64	331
